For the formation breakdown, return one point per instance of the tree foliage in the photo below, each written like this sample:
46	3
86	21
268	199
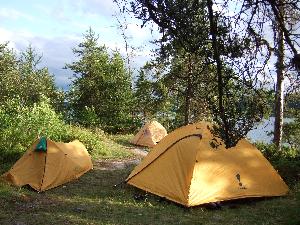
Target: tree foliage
21	77
178	90
143	96
101	92
274	24
196	29
291	130
9	77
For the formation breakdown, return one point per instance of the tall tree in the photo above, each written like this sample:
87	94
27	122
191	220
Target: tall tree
143	96
22	77
199	30
184	83
284	15
36	81
102	86
280	67
9	76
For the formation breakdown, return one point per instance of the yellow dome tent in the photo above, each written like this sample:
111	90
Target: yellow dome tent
48	164
151	133
191	167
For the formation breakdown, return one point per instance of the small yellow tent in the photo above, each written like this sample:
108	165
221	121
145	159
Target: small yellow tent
151	133
191	167
51	166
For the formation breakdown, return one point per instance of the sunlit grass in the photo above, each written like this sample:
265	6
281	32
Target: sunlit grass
122	139
93	199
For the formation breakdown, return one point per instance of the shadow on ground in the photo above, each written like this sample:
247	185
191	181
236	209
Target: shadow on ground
101	197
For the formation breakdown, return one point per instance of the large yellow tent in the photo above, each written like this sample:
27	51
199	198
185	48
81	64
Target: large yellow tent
48	164
191	167
151	133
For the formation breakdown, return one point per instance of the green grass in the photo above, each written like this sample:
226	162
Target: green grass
93	199
122	139
99	144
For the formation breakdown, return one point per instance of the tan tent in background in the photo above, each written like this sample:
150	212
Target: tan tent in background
191	167
48	164
151	133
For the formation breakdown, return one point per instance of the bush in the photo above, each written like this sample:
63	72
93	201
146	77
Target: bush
271	153
93	140
291	133
286	161
288	169
96	142
21	125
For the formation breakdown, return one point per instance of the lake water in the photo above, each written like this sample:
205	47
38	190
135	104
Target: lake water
261	131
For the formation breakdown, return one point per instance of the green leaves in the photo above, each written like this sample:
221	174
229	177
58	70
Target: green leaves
20	125
20	77
210	64
101	93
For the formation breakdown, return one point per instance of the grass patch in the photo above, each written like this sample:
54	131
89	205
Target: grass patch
122	139
98	144
93	199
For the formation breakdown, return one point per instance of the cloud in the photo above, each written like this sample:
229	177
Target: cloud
56	51
96	7
69	10
17	40
140	34
12	14
59	27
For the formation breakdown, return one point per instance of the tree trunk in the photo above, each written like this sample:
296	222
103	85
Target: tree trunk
187	103
279	88
217	58
188	94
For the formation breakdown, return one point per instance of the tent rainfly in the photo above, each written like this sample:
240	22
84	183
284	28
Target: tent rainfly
48	164
150	134
191	167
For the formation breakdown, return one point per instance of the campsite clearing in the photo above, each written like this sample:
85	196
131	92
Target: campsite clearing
94	199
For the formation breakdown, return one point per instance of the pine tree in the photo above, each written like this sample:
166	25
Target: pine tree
101	92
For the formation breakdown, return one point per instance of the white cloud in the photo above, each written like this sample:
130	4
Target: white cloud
5	36
13	14
60	28
99	7
55	51
15	39
137	32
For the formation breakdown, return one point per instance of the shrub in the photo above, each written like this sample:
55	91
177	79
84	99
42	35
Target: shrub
271	153
286	161
21	125
291	133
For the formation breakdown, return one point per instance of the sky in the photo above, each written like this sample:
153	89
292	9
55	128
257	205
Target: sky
54	27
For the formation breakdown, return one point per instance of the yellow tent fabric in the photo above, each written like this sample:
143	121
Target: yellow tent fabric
187	167
61	163
151	133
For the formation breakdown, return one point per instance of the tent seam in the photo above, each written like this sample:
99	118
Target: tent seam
189	190
44	170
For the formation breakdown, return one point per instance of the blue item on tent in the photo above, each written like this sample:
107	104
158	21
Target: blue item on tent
42	145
